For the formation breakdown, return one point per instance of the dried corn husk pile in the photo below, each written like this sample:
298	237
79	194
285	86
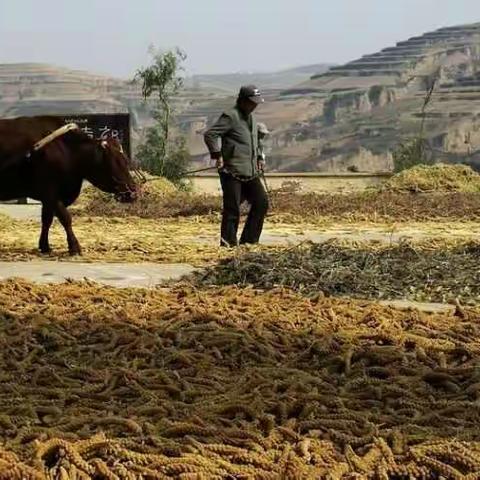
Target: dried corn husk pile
303	208
435	178
449	192
232	383
375	207
159	198
155	187
429	271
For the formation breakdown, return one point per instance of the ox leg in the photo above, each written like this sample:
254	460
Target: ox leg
47	220
66	220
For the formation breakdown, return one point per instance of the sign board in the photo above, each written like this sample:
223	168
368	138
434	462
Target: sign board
103	126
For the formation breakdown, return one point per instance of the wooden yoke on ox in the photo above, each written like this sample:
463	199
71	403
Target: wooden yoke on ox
15	158
54	135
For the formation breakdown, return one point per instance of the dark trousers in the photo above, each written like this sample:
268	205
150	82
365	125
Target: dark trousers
234	192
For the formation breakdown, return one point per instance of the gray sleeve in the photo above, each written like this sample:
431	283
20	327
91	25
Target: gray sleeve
213	136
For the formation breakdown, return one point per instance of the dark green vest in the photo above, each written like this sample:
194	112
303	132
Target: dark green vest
240	145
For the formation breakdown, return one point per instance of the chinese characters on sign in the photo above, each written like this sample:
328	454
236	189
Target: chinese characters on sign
103	126
102	133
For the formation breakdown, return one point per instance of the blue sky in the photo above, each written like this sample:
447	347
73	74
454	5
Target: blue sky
112	36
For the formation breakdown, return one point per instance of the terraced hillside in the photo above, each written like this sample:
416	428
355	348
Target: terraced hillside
268	80
355	114
31	89
37	88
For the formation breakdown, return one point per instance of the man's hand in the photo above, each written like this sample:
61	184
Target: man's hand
261	164
219	163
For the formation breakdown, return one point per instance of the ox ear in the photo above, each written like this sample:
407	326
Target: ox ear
104	144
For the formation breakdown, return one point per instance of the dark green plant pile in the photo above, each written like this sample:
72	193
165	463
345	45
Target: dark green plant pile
424	272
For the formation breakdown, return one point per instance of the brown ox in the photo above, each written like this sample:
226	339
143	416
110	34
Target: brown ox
54	174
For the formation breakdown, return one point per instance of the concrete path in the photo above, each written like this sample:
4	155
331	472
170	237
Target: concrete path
278	239
285	236
423	307
113	274
21	212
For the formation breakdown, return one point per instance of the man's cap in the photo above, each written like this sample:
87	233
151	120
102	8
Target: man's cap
262	128
252	93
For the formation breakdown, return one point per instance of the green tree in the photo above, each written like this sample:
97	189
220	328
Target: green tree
161	82
415	151
411	153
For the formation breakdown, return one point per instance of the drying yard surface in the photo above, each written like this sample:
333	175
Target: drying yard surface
232	383
269	362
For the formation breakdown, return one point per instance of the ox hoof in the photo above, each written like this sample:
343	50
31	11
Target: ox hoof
45	250
75	252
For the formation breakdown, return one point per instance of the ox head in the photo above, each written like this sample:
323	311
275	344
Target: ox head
117	177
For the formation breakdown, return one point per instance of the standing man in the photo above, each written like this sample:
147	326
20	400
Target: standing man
234	144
